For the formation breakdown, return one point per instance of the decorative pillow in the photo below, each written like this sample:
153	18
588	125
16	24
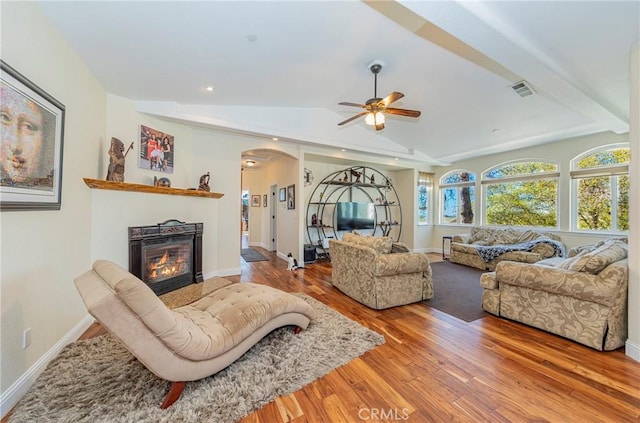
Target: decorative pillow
382	244
577	250
479	234
399	247
566	264
351	237
505	238
595	261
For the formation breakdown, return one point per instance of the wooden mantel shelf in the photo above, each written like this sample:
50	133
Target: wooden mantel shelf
125	186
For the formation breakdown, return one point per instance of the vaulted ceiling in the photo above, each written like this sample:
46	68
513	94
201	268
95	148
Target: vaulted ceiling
279	69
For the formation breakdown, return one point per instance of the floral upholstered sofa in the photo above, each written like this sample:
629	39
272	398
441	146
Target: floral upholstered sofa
379	273
484	247
583	297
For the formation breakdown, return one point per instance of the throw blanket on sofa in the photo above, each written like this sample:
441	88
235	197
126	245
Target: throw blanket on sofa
489	252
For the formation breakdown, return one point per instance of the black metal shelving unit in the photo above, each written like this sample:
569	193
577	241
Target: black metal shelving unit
356	183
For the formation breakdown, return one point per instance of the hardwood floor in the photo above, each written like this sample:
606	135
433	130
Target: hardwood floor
434	367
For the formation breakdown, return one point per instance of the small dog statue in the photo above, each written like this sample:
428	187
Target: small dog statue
292	264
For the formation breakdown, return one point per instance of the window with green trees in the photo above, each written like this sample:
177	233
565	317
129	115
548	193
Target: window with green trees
457	195
425	184
600	179
522	193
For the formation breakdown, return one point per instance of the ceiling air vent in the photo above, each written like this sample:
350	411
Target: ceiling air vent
523	89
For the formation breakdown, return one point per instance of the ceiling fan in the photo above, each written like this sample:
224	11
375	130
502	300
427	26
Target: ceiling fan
376	107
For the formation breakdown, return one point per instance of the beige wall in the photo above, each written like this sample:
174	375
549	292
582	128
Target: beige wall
42	251
633	344
405	182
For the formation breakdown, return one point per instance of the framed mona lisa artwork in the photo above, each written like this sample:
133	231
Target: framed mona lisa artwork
31	141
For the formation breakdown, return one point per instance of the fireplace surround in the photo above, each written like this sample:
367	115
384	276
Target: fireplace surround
166	256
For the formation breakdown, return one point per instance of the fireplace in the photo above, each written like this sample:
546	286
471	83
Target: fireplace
166	256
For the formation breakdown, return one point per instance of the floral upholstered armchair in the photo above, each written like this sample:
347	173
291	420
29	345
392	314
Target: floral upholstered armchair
583	297
379	273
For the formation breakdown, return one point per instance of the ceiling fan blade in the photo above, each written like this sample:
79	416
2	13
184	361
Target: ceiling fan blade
346	103
390	98
402	112
353	118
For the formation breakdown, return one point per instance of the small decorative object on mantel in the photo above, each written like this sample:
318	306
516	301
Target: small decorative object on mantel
373	179
314	219
115	172
204	183
161	182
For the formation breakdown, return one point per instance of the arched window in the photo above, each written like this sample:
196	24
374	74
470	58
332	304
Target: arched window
600	194
522	193
457	197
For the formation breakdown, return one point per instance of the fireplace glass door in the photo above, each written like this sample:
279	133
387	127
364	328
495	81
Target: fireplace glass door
168	260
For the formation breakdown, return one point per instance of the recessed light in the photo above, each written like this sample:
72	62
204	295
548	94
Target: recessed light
275	138
495	131
250	163
343	149
397	158
208	88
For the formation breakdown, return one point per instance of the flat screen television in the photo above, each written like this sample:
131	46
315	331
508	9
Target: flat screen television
354	215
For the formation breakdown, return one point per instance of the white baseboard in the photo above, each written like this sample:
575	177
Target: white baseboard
20	387
224	272
632	350
259	244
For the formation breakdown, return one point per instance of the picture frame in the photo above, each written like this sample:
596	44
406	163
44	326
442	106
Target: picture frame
291	197
283	194
255	201
156	150
30	178
264	200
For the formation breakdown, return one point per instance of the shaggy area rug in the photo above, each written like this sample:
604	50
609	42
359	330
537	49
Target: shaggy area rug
457	291
98	380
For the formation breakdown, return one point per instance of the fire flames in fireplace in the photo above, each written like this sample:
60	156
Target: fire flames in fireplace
172	263
166	256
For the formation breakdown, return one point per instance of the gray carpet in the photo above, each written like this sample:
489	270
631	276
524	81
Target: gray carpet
98	380
249	255
457	291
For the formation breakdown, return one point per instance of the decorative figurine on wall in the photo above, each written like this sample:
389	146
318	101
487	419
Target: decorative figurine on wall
115	172
204	183
373	179
356	174
161	182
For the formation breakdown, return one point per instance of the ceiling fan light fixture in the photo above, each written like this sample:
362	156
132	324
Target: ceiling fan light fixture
374	118
250	163
375	107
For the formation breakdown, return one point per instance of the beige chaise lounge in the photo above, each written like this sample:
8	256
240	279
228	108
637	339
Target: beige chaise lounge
369	270
190	342
583	298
